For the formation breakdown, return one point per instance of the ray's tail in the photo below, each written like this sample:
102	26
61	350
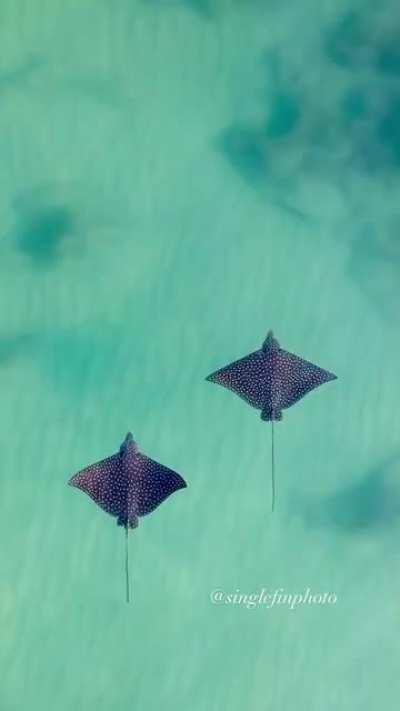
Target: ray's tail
272	466
127	563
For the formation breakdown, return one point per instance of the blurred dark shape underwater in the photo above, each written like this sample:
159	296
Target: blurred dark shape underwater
244	147
11	347
366	38
202	7
41	233
77	362
374	264
313	125
332	126
11	78
366	506
347	42
44	222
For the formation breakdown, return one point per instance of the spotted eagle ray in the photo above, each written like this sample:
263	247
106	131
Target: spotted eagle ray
271	380
128	485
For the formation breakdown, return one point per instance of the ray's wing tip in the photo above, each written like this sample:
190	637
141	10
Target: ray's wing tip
75	480
214	377
181	483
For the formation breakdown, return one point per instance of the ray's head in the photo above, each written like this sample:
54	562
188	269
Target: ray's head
270	344
128	445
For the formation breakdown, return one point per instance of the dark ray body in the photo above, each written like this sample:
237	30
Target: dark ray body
271	380
128	484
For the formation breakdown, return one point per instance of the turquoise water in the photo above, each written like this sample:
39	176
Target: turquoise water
177	178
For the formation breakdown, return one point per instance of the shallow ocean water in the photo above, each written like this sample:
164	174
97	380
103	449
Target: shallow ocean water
177	178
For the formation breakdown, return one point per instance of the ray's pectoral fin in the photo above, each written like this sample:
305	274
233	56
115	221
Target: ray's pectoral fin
97	480
245	377
301	377
268	413
155	484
